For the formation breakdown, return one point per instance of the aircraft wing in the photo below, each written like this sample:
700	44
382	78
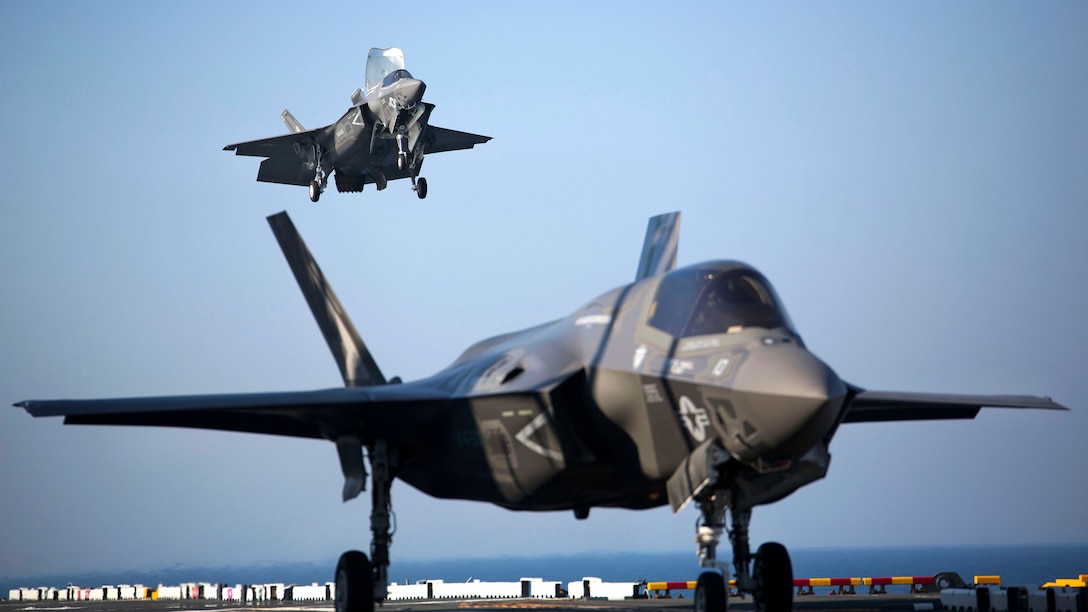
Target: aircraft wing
877	406
284	164
442	139
323	414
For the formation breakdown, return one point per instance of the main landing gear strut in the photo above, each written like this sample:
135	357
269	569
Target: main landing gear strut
361	581
768	577
321	179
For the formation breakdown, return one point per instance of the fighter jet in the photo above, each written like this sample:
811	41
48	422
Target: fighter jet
382	137
686	385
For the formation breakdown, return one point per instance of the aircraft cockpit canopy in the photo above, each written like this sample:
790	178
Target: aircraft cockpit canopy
716	298
381	63
395	76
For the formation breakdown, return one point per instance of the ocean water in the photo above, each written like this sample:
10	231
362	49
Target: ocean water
1017	565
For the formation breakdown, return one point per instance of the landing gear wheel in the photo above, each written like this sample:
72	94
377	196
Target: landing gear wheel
354	583
315	190
772	573
380	181
421	187
710	594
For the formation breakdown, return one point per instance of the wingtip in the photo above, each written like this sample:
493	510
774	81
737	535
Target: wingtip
1055	405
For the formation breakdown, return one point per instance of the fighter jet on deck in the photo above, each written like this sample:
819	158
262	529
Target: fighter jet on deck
687	385
382	137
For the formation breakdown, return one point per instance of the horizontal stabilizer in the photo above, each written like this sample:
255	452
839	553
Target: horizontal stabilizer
659	247
877	406
442	139
356	365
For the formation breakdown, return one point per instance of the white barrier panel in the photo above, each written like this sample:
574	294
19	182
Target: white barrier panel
616	591
28	594
232	593
169	592
474	589
273	591
403	592
538	587
136	591
313	592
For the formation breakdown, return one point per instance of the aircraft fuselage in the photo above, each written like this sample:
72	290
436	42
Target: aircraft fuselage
601	408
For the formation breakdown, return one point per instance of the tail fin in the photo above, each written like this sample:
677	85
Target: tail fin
659	247
291	122
356	365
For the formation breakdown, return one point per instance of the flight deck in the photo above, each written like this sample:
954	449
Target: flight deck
836	603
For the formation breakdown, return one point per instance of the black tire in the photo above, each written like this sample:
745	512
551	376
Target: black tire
315	190
354	583
772	573
710	593
421	187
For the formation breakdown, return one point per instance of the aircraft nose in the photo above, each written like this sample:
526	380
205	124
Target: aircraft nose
410	92
784	400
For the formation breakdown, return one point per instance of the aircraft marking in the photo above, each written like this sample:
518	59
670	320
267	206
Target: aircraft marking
597	319
700	343
722	366
640	355
680	367
652	393
694	417
526	433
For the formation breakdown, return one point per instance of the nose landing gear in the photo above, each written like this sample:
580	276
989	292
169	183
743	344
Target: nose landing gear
770	577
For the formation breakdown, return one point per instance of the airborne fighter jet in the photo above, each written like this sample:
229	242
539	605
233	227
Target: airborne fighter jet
382	137
687	385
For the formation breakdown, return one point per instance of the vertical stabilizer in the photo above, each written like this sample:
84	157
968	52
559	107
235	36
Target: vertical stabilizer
356	365
659	247
291	123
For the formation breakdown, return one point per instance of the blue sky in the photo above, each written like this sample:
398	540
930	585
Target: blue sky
912	177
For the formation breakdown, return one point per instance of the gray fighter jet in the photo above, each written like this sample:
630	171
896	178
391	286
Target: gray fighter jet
382	137
687	385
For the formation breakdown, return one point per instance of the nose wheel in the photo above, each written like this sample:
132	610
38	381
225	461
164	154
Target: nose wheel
768	576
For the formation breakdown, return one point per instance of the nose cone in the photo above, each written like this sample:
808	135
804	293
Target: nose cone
409	92
784	401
